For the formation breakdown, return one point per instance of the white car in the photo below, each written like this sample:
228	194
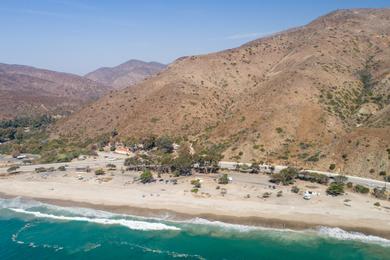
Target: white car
308	194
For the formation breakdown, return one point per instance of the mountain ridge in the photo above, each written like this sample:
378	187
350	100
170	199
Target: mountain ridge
125	74
313	96
30	91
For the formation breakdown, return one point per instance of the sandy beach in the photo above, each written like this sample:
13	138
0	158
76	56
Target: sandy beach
240	201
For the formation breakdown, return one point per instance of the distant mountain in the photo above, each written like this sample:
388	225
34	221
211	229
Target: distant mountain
125	74
314	96
28	91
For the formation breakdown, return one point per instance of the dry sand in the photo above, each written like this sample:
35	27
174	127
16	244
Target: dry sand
243	202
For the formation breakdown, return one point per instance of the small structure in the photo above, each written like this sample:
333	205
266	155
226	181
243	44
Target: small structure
122	150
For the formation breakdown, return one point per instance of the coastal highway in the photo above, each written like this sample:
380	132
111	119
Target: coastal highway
105	158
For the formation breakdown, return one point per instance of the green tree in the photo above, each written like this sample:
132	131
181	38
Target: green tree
146	176
286	176
196	183
335	189
224	179
165	144
182	165
210	156
361	189
149	142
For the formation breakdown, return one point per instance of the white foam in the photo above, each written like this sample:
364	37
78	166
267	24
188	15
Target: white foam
166	252
341	234
223	225
19	202
131	224
22	205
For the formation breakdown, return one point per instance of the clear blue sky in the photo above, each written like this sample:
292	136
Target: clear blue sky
81	35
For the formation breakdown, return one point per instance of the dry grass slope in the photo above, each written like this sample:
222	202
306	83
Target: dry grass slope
312	96
28	91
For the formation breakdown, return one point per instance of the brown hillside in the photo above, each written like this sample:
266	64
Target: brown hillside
125	74
26	91
311	96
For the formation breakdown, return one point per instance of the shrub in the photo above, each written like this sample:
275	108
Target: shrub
382	173
132	161
349	185
165	144
279	130
285	176
332	166
361	189
62	168
340	179
196	183
224	179
12	168
100	172
149	143
379	193
111	166
335	189
387	178
146	176
294	189
279	194
40	169
266	195
377	204
314	158
255	168
195	190
313	177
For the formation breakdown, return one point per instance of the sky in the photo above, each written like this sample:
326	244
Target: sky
78	36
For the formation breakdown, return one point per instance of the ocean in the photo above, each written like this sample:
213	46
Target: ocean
33	230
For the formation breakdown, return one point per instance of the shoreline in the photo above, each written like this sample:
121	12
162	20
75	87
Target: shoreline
249	199
168	214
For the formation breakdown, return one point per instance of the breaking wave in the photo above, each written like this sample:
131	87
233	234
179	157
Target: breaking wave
131	224
342	234
197	225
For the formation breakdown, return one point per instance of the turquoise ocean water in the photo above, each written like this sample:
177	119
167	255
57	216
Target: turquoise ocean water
33	230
